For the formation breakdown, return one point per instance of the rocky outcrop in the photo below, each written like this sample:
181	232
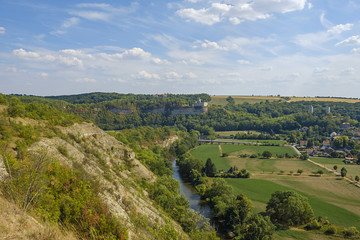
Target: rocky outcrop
117	171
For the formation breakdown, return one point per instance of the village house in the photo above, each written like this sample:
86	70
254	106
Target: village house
326	143
345	125
303	143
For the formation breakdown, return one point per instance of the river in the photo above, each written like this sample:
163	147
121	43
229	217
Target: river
191	194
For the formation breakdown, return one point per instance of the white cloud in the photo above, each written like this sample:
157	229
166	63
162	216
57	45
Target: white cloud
135	53
237	11
340	28
315	40
2	30
159	61
70	22
211	45
26	54
190	75
145	75
85	80
173	75
310	5
92	15
70	61
353	40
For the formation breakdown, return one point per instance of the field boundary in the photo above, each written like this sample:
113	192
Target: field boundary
335	172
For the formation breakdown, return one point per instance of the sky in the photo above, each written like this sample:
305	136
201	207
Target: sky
230	47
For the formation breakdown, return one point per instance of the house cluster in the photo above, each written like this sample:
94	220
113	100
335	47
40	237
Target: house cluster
327	149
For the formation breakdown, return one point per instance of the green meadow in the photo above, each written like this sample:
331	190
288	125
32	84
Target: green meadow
260	190
329	196
352	170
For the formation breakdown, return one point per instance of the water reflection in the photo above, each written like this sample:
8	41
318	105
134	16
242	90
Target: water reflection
191	195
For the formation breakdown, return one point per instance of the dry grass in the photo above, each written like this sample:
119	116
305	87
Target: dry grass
16	224
221	100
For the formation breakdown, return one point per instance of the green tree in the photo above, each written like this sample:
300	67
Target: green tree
304	156
230	100
210	168
335	167
267	154
289	208
357	178
256	227
300	171
343	172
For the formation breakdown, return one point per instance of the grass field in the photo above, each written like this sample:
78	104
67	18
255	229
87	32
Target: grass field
352	170
253	165
260	190
280	142
329	196
236	150
221	100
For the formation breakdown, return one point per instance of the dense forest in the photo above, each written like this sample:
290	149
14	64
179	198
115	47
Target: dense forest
270	117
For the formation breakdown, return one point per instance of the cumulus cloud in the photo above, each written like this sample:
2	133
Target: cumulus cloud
145	75
211	45
238	11
2	30
26	54
353	40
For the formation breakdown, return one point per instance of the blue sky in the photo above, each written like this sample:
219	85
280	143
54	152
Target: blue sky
231	47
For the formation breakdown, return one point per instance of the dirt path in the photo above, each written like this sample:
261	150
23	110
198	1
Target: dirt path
220	150
335	172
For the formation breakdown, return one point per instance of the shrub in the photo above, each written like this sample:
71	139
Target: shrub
330	230
350	232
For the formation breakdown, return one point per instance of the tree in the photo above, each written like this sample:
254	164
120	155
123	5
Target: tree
357	178
230	100
300	171
343	172
267	154
256	227
304	156
210	168
335	167
289	208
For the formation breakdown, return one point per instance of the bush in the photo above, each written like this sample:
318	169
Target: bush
330	230
313	225
350	232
